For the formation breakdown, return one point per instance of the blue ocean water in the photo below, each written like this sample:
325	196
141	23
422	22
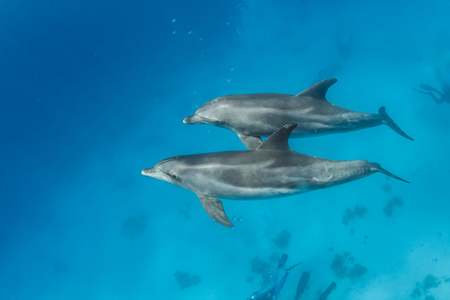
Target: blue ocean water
92	92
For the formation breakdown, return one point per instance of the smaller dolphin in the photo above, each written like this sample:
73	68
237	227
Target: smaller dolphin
254	115
270	171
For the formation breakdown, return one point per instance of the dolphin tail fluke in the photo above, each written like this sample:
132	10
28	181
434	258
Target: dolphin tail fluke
214	208
378	168
389	122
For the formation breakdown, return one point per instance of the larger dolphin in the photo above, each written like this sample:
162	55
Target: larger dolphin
272	170
254	115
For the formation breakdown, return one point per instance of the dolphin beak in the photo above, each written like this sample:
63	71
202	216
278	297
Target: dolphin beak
155	173
150	172
194	119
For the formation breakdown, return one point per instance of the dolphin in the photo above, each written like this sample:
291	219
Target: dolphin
254	115
272	170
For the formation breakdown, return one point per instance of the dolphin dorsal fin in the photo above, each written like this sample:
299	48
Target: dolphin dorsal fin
279	139
319	90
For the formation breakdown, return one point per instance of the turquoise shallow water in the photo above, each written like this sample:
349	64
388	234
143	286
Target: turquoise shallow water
93	92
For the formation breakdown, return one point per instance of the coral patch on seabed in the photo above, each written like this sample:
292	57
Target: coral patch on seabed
344	266
391	205
282	239
134	226
186	280
423	288
357	212
260	267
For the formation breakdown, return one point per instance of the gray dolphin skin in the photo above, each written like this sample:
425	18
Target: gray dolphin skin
251	116
270	171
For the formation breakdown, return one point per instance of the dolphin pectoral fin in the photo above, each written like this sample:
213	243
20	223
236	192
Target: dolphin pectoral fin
389	122
251	142
214	208
319	90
